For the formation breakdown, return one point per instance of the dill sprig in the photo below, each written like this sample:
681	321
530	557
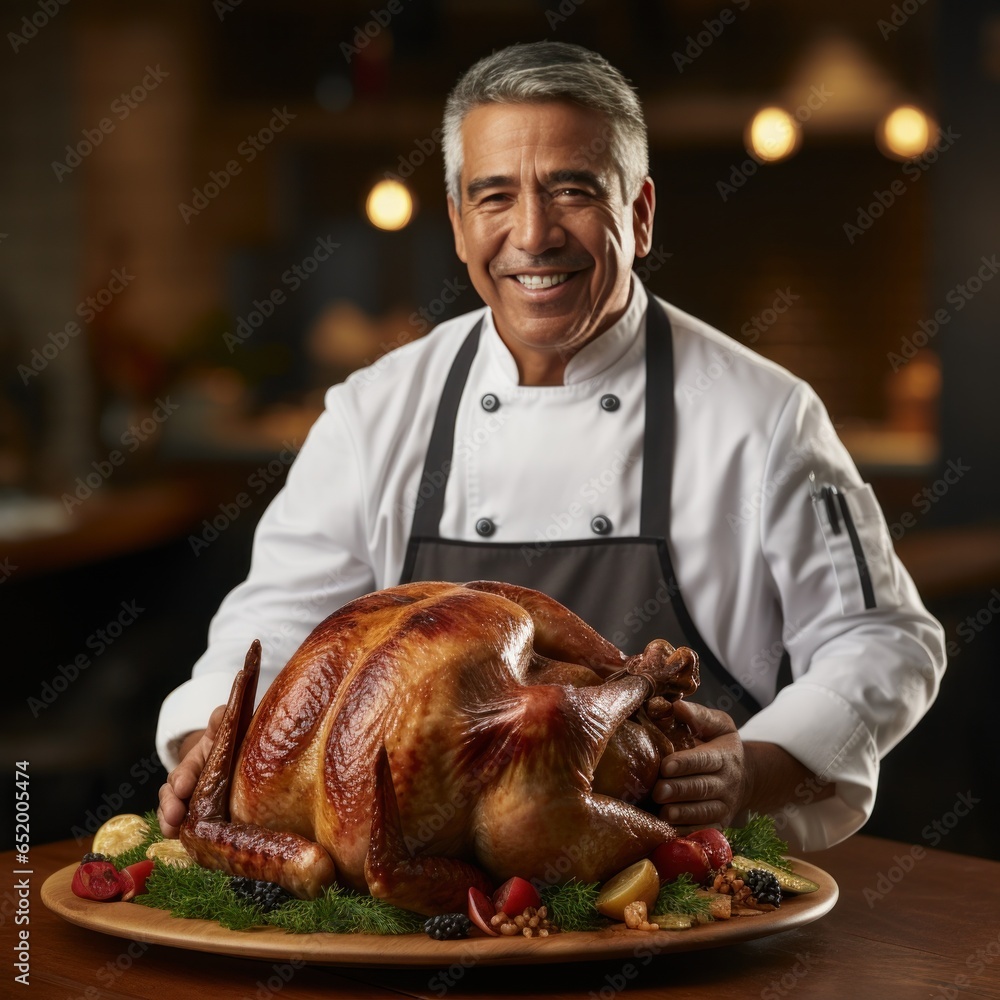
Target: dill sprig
759	841
203	893
198	893
571	905
340	911
682	896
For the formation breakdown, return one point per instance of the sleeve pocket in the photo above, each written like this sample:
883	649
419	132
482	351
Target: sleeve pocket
857	541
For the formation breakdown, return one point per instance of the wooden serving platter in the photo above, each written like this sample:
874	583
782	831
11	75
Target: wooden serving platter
142	923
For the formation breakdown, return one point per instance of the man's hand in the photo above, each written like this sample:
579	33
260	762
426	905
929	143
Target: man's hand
181	781
715	782
709	783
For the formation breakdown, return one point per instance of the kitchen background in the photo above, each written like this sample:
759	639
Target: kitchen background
191	249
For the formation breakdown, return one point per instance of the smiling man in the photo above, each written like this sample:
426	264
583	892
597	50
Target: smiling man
549	245
552	439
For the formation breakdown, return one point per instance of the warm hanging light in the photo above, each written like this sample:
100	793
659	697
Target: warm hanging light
906	132
389	205
772	135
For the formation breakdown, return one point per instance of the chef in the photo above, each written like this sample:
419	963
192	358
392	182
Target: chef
581	436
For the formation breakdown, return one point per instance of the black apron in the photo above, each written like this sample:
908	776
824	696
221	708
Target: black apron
619	586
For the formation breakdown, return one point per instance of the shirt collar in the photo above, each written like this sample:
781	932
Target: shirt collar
593	358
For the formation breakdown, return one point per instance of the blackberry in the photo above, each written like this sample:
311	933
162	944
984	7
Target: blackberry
267	895
91	856
448	926
763	886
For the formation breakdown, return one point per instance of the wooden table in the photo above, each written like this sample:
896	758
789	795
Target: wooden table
910	923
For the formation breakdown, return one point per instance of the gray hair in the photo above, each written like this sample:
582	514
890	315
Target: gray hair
538	72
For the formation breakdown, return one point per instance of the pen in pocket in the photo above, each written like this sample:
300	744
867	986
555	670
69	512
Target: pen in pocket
827	494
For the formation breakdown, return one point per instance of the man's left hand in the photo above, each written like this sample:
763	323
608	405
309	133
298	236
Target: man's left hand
709	783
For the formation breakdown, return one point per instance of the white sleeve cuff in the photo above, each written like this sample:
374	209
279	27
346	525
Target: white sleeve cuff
188	708
822	731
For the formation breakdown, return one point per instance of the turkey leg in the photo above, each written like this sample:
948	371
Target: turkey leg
423	884
299	865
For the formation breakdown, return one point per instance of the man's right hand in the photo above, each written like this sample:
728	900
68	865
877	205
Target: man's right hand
181	781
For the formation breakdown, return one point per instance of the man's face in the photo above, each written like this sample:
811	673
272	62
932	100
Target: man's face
545	232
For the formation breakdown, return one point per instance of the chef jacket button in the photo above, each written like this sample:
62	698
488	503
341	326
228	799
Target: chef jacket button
485	527
600	525
489	402
610	402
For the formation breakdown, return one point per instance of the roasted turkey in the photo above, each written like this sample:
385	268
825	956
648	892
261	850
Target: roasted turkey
430	737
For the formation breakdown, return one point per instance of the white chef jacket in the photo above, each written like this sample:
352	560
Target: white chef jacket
757	560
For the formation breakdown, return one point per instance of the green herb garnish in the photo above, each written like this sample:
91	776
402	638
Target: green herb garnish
759	841
340	911
204	894
199	893
681	896
571	906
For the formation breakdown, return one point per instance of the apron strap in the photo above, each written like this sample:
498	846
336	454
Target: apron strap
658	434
437	464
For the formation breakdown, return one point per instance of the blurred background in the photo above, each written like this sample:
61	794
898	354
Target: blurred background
210	211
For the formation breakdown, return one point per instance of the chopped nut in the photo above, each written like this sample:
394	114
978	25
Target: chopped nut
635	913
531	923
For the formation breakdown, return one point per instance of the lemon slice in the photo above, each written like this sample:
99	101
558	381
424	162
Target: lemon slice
637	882
119	834
170	852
